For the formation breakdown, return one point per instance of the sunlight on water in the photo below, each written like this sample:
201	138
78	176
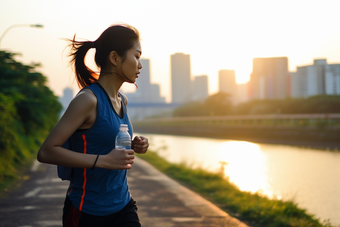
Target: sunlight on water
245	166
307	176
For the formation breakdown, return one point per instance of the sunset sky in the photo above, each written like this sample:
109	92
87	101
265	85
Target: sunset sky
218	35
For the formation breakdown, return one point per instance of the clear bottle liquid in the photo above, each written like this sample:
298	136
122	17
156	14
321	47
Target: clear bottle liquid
123	138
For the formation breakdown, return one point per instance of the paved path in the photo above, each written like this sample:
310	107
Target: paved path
162	202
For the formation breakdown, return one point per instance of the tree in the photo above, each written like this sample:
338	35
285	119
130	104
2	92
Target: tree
219	104
191	109
36	105
28	111
215	105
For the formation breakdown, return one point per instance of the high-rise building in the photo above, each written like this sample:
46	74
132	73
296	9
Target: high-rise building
307	81
269	79
147	100
298	84
143	81
242	93
200	87
181	90
332	79
317	79
156	94
66	98
146	92
227	83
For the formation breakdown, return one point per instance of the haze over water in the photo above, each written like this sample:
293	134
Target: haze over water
308	176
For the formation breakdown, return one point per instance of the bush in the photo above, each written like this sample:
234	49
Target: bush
28	111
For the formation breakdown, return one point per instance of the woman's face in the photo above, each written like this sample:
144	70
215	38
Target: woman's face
132	65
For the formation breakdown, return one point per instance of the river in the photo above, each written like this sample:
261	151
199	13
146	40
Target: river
309	177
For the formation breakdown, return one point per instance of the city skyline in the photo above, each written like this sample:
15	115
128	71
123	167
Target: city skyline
301	30
270	79
141	82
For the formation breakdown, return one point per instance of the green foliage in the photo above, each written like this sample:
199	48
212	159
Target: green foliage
219	104
35	104
8	136
28	111
250	207
312	105
191	109
215	105
8	114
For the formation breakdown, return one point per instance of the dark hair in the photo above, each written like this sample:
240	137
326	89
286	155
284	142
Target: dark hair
119	38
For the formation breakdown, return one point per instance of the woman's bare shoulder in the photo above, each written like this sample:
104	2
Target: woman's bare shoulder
85	95
83	101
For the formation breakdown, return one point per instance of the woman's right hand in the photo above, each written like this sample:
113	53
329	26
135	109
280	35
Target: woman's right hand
116	159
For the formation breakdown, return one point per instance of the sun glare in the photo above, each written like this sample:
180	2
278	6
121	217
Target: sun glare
245	166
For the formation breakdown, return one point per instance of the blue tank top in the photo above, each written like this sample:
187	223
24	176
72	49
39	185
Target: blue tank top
100	191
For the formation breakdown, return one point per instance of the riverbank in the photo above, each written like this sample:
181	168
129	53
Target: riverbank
269	135
254	209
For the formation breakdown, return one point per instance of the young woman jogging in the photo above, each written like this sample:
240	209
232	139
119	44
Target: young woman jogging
98	194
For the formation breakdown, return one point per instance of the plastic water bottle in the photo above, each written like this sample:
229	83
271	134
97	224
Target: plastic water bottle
123	138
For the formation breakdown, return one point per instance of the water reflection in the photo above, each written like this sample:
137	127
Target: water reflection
309	177
245	166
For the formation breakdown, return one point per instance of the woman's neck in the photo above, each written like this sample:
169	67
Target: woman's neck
111	84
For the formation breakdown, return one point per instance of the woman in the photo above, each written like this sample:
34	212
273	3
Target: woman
98	194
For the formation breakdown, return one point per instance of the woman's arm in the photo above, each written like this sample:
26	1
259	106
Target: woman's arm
81	113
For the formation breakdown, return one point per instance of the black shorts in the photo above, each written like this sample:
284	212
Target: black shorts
127	217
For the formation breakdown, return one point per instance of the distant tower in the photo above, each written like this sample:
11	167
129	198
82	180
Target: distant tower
66	98
156	94
242	93
299	83
143	81
180	78
332	79
200	87
227	83
146	92
269	79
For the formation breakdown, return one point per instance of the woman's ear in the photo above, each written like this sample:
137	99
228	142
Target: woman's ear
114	58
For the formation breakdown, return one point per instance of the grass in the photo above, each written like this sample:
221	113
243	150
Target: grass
14	180
252	208
16	160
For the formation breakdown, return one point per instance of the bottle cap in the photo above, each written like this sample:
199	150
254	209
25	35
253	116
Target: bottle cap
123	127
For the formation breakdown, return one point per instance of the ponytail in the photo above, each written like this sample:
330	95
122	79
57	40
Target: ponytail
84	75
119	38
